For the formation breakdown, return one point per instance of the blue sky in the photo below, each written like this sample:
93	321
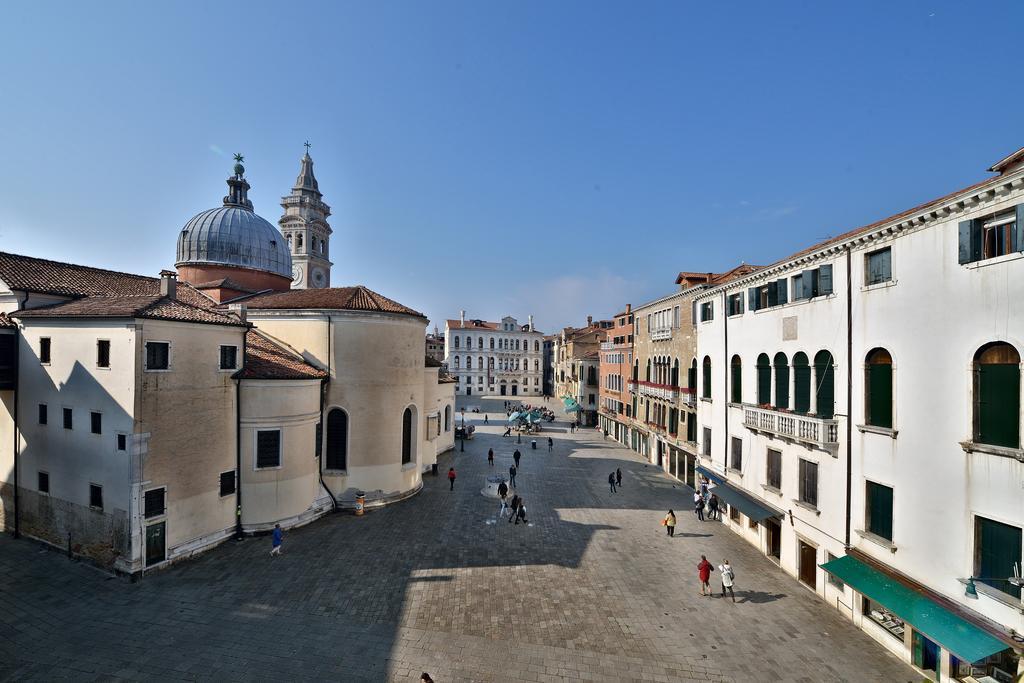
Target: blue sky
555	158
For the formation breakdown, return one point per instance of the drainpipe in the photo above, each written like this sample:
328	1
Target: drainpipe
17	440
725	388
323	425
238	448
849	391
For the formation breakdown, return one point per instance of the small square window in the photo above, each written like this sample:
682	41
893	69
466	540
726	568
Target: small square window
878	266
96	496
67	418
228	357
96	422
227	483
43	416
44	482
158	355
103	353
268	448
154	504
44	349
122	442
736	454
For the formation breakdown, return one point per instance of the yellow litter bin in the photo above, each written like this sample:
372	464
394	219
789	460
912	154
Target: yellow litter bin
360	504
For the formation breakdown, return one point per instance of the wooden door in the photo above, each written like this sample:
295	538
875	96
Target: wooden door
808	564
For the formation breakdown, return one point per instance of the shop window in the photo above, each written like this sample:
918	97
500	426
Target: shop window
154	502
764	380
878	266
878	389
781	381
997	395
268	448
707	377
832	580
774	468
892	624
337	439
997	552
878	512
734	513
103	353
737	380
736	454
809	482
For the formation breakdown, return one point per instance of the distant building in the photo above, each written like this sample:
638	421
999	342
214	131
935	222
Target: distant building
494	358
435	346
614	374
576	364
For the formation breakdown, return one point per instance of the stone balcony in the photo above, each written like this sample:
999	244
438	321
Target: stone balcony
806	429
665	392
661	333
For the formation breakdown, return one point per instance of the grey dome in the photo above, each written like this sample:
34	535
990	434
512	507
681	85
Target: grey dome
233	235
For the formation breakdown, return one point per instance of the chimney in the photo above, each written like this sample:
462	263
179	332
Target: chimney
531	323
629	308
237	310
590	320
169	284
462	317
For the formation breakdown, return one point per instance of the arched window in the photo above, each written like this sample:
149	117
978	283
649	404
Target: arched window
313	244
764	380
456	341
456	362
997	395
408	425
536	345
337	440
801	384
636	370
675	373
447	418
490	362
517	344
824	384
707	377
298	241
469	362
648	375
480	342
536	365
480	362
737	380
289	238
492	343
691	378
781	381
469	342
878	389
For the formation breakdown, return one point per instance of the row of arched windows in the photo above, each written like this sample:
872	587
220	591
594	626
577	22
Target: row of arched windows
295	245
504	364
336	451
802	387
505	344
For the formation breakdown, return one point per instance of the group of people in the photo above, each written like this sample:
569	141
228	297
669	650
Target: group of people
725	573
516	508
615	479
703	500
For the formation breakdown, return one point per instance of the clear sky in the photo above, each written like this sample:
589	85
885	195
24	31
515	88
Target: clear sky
556	158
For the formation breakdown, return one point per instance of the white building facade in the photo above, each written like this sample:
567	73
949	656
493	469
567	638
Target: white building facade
859	410
494	358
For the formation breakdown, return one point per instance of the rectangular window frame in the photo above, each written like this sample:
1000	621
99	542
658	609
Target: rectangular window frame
102	354
146	513
830	578
807	494
884	272
121	441
44	414
68	417
874	526
256	447
233	348
773	469
145	359
231	490
95	422
706	443
736	454
45	350
94	491
43	482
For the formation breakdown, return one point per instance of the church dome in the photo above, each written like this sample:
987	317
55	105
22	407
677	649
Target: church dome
234	235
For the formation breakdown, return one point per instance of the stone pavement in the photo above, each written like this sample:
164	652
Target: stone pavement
591	590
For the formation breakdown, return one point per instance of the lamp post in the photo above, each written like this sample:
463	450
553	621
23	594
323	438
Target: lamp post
462	443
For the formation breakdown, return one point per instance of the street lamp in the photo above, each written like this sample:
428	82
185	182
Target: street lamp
971	591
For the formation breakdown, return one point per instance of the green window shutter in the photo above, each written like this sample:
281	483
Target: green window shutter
810	283
824	377
999	548
707	380
773	294
780	291
764	383
752	299
879	386
798	287
1018	230
879	512
802	388
691	379
737	383
825	279
781	385
999	405
965	251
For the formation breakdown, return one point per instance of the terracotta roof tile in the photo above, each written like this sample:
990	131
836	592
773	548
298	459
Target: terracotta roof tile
139	306
265	359
357	298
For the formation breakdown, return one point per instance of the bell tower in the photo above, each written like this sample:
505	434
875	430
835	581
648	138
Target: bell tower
305	228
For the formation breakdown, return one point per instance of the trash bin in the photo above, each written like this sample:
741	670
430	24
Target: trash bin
360	503
433	469
533	444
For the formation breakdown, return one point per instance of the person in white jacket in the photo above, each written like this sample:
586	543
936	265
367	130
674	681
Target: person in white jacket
728	577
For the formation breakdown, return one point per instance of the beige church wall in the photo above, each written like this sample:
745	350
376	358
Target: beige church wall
376	364
186	425
436	397
283	494
7	460
75	458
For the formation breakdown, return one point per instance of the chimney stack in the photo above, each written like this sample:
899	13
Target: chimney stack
629	308
531	323
590	320
462	317
237	310
169	284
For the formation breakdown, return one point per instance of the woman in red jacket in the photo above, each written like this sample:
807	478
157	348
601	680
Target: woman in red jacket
451	478
704	570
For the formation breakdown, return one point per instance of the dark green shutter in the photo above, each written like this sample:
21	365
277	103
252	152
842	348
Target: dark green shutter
781	385
880	395
1018	230
810	283
879	512
773	294
970	241
780	291
802	388
737	383
999	548
999	405
707	380
798	287
825	279
752	299
824	377
691	380
764	382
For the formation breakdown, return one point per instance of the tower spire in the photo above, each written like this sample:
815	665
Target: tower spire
306	179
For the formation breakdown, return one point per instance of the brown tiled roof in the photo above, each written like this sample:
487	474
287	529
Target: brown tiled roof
716	278
473	324
432	362
358	298
225	283
265	359
5	321
139	306
29	274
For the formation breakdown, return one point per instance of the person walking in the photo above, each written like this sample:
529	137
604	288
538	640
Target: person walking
503	494
611	482
670	523
704	570
516	456
618	476
508	431
490	457
703	487
713	512
276	539
485	418
551	444
521	513
514	507
698	506
451	478
512	476
728	576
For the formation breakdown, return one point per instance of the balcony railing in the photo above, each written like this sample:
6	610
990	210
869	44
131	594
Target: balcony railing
660	333
607	346
814	431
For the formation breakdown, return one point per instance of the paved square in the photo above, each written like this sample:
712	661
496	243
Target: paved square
592	589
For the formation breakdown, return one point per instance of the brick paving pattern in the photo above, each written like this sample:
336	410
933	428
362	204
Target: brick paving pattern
591	590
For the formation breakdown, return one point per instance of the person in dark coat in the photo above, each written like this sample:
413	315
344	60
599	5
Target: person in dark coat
618	476
490	457
521	512
551	444
512	476
698	506
611	482
514	507
516	456
713	512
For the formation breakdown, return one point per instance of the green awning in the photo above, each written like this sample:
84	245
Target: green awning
965	640
746	504
570	405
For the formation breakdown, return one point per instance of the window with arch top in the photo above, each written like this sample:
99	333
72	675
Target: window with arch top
824	384
878	388
737	380
407	436
781	381
447	418
707	377
764	380
337	440
801	383
997	395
